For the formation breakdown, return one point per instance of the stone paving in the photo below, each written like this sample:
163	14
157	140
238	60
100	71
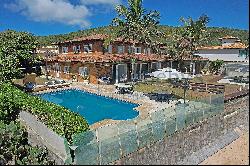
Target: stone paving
211	149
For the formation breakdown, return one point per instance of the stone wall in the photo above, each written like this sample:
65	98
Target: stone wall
39	134
177	147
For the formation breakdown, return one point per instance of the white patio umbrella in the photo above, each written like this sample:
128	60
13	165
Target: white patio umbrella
168	73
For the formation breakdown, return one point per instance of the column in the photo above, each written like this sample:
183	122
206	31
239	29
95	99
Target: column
140	71
193	68
116	73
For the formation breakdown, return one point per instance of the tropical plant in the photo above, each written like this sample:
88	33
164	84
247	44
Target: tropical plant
134	24
214	66
16	51
188	37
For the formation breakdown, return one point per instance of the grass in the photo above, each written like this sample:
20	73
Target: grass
166	86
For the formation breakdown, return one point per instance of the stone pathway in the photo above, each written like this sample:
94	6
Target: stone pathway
207	151
236	153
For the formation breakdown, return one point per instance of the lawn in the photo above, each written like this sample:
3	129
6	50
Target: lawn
166	86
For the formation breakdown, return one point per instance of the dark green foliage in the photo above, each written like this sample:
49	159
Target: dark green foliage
214	66
137	24
14	147
57	118
16	51
214	32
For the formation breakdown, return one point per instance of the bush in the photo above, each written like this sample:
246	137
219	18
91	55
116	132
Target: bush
14	147
9	110
215	66
59	119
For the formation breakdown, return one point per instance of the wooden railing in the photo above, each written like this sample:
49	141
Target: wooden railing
203	87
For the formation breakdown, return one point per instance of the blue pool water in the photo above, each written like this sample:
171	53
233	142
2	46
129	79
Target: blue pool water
92	107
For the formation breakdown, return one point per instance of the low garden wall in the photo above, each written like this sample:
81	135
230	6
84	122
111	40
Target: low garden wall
39	134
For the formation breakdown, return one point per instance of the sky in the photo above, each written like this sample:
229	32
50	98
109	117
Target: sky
48	17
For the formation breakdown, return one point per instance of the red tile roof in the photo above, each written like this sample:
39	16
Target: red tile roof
229	37
96	37
91	37
112	57
106	57
237	45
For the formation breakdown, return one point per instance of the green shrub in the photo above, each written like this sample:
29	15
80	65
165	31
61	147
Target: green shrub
14	147
9	110
59	119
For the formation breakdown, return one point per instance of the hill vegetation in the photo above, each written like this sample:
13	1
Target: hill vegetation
214	32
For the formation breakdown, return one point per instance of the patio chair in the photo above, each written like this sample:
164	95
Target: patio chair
104	80
29	86
33	87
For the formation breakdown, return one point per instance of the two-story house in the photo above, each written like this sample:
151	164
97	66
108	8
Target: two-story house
87	59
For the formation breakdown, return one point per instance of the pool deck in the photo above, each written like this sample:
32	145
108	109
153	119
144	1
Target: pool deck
146	106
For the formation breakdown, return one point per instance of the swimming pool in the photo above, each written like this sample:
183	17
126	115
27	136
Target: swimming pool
92	107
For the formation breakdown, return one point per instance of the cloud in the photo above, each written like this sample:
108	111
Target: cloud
61	11
98	2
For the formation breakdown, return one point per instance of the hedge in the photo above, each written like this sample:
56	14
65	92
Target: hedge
58	118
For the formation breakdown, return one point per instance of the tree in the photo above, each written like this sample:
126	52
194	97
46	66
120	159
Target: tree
16	51
189	37
134	23
215	66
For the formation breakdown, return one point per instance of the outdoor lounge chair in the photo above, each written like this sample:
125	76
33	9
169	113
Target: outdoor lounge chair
51	84
61	83
39	88
124	88
32	87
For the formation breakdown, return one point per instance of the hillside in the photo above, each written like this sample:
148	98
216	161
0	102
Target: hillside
215	33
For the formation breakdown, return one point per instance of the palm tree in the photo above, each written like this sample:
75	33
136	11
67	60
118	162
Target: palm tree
134	23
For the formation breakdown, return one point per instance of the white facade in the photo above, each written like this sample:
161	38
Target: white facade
225	42
230	50
227	55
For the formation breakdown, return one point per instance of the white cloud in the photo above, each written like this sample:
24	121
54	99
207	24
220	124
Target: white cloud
61	11
97	2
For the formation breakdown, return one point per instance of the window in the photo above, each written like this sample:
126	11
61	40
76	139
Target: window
64	49
48	68
66	69
148	51
110	49
120	49
57	67
137	50
243	53
76	49
130	49
87	48
83	71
